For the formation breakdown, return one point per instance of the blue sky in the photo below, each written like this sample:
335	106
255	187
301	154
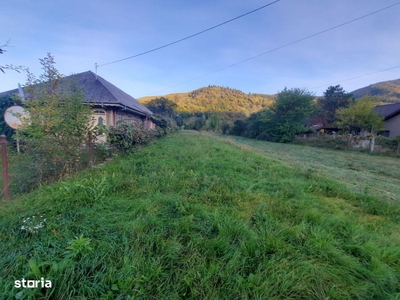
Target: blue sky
82	33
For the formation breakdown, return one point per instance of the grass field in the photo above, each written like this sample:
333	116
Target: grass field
361	172
194	217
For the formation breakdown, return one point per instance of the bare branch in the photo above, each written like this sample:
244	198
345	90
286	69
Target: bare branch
10	67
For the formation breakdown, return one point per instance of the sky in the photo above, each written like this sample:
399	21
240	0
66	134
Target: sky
257	53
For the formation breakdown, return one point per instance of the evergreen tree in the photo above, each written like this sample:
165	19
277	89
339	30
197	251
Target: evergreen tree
334	98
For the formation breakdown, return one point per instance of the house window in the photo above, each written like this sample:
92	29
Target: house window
120	117
100	121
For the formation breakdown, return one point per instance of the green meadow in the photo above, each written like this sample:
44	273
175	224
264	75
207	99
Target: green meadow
194	216
360	171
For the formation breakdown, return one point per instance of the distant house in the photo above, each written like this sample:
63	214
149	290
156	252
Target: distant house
317	124
391	117
110	104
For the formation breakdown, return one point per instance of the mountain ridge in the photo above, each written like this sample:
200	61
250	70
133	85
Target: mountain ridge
216	98
388	91
225	99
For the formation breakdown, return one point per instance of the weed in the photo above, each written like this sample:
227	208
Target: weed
78	247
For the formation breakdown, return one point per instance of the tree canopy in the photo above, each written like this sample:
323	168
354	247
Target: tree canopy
162	106
335	97
283	120
360	116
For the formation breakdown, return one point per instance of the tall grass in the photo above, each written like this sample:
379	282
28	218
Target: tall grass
191	217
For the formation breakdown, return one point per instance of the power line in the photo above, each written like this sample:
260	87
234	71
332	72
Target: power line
285	45
190	36
356	77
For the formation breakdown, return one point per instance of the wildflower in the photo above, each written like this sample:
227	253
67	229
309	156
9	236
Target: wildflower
34	223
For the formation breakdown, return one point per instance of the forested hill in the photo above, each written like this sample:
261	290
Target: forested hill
216	98
224	99
388	91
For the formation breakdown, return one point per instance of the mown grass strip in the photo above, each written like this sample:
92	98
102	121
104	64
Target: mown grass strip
361	172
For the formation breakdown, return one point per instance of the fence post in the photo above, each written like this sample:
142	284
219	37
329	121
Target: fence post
90	150
4	161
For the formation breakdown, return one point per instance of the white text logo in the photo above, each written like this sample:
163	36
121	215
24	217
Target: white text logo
30	284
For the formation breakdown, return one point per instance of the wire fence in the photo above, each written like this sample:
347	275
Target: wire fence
23	171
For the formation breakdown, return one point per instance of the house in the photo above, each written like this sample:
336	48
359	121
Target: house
110	104
391	118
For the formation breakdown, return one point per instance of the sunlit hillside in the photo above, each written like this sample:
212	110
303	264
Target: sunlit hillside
216	98
223	99
388	91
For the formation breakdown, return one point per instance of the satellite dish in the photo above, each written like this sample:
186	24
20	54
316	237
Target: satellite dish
15	116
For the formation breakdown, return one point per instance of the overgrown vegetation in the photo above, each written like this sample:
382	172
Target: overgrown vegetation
59	124
383	145
190	217
125	137
55	140
282	121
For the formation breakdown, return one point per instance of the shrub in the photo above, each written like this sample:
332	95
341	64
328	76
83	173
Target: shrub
125	136
324	141
385	142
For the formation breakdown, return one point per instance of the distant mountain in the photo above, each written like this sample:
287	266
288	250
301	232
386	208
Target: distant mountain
387	91
218	99
224	99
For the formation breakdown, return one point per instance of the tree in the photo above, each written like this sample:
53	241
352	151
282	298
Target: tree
162	106
360	116
239	127
283	120
214	122
59	121
334	98
286	117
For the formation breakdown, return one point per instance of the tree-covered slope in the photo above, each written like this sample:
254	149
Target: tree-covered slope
388	91
223	99
216	98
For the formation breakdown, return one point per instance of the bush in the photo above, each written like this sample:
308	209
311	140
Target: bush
126	136
324	141
166	124
385	142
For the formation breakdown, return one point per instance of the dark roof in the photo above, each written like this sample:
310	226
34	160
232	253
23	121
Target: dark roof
389	110
99	91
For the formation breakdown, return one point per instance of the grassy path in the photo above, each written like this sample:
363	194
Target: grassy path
361	172
192	217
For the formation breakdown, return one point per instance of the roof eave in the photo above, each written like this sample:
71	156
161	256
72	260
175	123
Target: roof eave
123	107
